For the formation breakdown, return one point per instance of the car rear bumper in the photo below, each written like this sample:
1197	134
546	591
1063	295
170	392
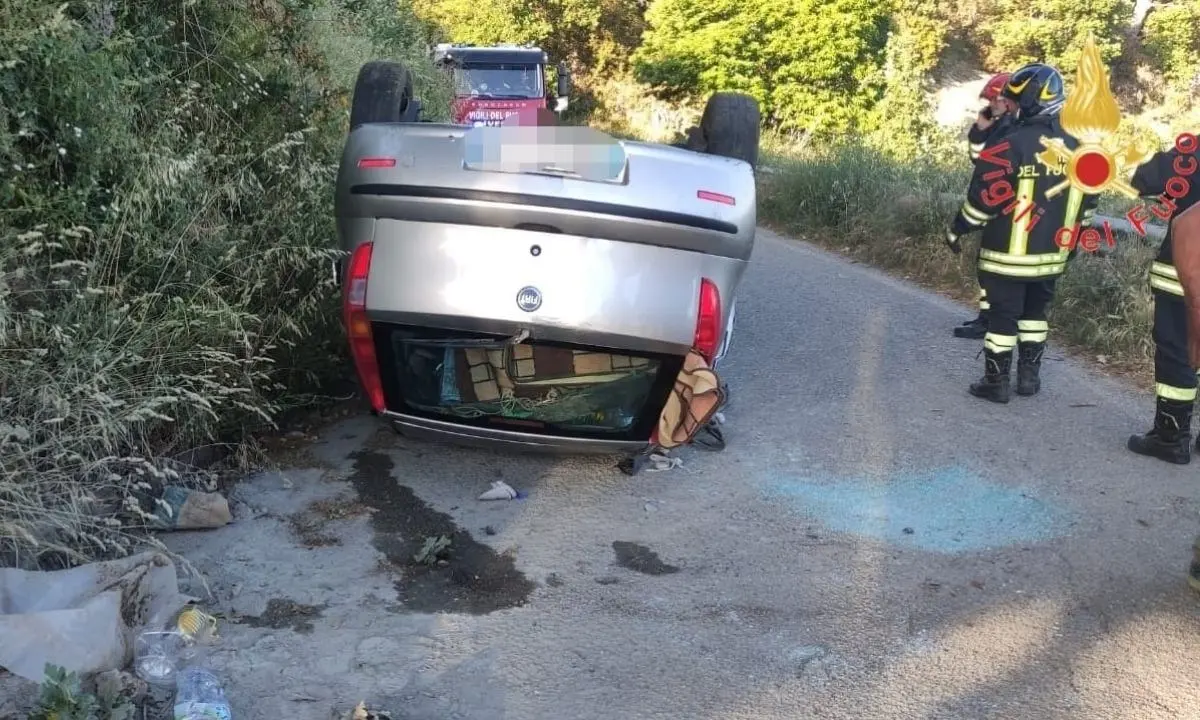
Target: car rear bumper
427	429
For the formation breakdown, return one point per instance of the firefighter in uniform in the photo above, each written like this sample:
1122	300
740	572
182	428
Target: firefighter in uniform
1174	375
1020	258
994	121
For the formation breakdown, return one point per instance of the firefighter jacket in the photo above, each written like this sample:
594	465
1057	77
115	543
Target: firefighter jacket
977	139
1007	201
1151	180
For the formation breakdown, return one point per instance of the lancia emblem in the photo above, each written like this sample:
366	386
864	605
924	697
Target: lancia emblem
529	298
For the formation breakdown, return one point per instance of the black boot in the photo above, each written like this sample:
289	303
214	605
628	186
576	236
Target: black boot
1171	437
972	329
1029	367
996	380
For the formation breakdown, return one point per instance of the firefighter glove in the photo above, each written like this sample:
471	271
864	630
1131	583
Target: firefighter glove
953	243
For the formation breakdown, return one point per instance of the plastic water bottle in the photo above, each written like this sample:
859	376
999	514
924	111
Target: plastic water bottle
199	696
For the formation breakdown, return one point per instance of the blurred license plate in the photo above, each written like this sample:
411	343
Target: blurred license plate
576	152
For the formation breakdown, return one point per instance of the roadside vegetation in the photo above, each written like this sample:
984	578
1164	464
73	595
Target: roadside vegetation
165	243
166	173
1103	306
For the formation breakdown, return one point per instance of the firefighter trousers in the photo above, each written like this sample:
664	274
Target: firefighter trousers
983	301
1016	312
1174	376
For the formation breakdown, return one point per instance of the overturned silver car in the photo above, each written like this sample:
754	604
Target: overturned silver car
536	287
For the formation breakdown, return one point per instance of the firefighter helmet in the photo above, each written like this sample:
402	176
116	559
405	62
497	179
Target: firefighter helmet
994	86
1036	89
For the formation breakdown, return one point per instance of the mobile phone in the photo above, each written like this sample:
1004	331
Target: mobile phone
987	112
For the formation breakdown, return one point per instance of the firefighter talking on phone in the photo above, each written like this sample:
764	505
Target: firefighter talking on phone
993	121
1019	258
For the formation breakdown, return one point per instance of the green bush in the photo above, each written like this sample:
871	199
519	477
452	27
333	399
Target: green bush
1172	38
165	249
813	66
1016	32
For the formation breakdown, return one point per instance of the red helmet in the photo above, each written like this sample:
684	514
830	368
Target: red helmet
992	89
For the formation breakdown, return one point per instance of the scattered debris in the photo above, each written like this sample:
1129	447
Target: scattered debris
489	530
200	695
908	531
360	712
196	626
608	580
185	509
555	580
158	655
660	462
500	490
79	619
433	550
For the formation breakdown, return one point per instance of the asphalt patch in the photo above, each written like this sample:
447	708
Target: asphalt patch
640	558
475	579
281	614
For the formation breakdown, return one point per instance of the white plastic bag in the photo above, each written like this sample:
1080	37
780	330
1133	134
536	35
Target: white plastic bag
83	619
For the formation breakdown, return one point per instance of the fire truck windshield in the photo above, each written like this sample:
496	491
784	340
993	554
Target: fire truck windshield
499	81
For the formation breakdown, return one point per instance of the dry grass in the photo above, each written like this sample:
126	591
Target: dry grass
165	248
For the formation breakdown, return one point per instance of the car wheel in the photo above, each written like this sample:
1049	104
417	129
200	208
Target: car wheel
730	126
382	93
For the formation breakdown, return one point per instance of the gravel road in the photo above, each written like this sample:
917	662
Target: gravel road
874	543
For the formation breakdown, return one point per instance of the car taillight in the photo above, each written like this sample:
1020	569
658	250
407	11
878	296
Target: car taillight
374	163
708	320
358	327
716	197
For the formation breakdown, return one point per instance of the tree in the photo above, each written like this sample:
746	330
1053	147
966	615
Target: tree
813	65
596	36
902	119
1052	31
483	22
1172	39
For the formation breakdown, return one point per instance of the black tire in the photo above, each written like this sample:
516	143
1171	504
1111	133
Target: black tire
730	125
382	93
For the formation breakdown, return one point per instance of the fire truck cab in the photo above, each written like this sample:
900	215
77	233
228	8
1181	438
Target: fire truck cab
491	83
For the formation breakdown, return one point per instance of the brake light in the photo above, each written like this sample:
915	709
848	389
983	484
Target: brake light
358	327
716	197
371	163
708	320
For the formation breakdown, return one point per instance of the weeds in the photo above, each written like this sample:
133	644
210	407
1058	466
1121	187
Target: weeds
166	174
435	548
1103	302
63	698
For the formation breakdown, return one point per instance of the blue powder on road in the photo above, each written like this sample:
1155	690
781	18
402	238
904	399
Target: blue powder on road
950	511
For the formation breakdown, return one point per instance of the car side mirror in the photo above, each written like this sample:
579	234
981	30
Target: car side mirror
564	80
